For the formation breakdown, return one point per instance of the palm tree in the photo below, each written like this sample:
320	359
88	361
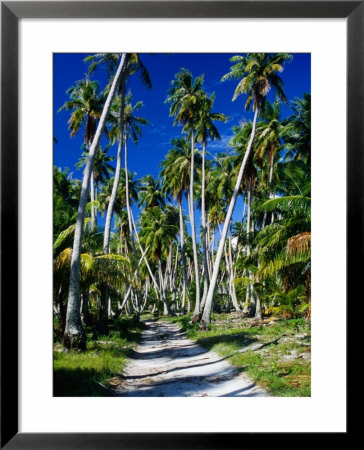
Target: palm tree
176	172
184	96
133	65
74	336
86	106
270	131
64	200
284	247
102	166
150	192
101	172
206	129
132	124
258	73
222	182
120	199
298	129
157	233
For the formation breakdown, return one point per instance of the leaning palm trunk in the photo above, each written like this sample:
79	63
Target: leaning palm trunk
206	317
230	274
143	255
196	314
74	335
110	208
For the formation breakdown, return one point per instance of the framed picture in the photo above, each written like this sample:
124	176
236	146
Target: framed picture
31	33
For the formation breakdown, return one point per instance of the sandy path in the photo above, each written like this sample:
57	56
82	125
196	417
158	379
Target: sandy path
167	364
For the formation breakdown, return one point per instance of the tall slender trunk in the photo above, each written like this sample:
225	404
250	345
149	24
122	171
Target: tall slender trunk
109	309
126	296
231	282
183	256
121	236
144	253
110	208
203	222
208	243
131	231
85	315
93	209
196	314
269	188
250	288
258	307
74	335
173	286
206	317
212	253
167	273
229	273
102	327
258	304
128	209
166	308
252	308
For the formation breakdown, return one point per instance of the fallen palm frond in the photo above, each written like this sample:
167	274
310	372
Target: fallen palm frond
299	244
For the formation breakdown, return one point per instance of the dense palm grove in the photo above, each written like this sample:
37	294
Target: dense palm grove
259	265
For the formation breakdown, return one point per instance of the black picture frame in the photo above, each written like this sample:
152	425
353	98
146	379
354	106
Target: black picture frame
11	12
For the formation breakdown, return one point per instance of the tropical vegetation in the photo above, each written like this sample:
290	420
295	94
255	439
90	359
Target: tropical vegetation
122	247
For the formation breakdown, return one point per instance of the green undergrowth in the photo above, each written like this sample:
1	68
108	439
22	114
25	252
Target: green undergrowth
282	368
77	374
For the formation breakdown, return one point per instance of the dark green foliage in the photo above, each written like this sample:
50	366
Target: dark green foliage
75	374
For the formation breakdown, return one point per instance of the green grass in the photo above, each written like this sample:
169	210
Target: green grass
75	374
269	366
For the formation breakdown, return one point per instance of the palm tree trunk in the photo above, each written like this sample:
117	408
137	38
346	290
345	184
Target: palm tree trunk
173	279
85	315
269	187
144	252
184	268
196	314
252	308
110	208
250	295
167	273
208	243
206	317
121	236
128	209
203	222
258	307
166	308
231	282
93	209
102	327
212	253
74	335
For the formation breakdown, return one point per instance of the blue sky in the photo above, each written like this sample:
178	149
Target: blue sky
145	157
